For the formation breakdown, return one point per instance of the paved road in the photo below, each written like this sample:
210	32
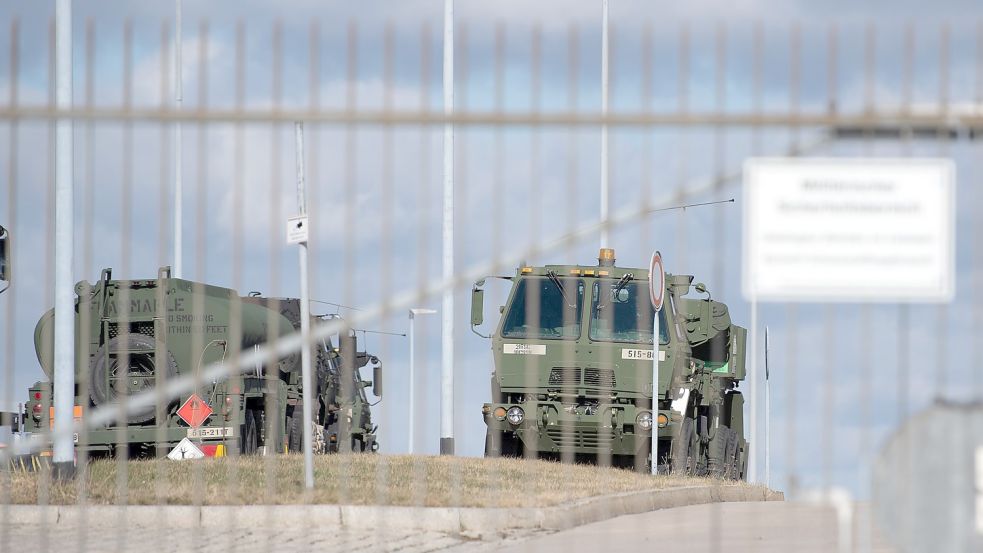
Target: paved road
723	527
69	539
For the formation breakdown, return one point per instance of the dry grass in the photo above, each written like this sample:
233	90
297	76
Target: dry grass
346	479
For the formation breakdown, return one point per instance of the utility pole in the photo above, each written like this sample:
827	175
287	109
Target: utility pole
604	127
178	160
300	223
63	457
447	305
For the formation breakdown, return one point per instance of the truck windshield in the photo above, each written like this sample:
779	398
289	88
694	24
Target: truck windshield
624	314
544	308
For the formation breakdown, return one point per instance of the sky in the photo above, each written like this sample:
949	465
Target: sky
375	192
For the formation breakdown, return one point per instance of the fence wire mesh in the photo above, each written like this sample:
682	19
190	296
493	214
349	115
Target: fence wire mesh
689	103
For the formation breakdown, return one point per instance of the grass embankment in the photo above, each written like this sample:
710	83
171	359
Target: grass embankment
344	479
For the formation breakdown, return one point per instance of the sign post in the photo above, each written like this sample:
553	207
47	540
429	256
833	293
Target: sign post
657	289
297	233
767	415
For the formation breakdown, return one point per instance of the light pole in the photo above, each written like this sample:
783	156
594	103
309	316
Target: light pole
447	304
413	314
178	144
64	350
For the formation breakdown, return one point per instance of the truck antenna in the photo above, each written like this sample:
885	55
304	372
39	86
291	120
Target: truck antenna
336	305
684	206
362	330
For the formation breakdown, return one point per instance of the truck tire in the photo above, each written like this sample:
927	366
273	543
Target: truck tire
250	434
295	429
683	452
502	444
722	460
720	453
742	455
331	437
104	365
511	445
493	444
732	468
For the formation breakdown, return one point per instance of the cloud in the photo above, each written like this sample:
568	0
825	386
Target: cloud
498	191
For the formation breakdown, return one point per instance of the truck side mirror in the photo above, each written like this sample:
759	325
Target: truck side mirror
477	306
5	268
376	378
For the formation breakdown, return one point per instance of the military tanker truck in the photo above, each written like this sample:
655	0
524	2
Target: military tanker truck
573	362
134	334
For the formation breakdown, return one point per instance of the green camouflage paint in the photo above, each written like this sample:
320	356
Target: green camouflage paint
166	327
573	351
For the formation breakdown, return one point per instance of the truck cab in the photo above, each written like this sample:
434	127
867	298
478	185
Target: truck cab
573	354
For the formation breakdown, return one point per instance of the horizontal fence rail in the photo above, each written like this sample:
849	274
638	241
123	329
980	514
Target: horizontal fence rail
204	164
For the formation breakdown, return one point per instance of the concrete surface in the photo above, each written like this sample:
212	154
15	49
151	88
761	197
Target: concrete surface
69	538
732	527
470	523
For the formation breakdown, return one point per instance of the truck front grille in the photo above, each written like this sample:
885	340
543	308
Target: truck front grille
579	438
565	376
602	378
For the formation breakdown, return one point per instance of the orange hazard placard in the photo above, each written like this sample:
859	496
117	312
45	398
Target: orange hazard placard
194	411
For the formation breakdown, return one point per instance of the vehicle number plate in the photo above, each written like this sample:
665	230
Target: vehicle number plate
204	433
642	354
524	349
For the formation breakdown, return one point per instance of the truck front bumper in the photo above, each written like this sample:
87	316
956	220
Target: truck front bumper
548	427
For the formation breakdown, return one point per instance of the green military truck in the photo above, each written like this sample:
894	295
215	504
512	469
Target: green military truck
132	335
573	371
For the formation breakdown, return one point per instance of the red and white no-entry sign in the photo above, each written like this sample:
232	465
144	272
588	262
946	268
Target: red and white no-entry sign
657	281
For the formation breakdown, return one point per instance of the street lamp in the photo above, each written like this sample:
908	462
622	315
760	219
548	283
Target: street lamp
413	314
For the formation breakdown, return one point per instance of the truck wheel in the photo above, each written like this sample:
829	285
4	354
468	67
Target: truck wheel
731	469
683	452
108	381
502	444
742	455
721	453
511	445
295	429
493	444
250	434
331	438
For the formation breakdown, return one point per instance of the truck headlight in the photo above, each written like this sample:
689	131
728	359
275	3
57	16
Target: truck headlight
644	420
515	415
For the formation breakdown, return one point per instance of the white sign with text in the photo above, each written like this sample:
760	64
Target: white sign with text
849	230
